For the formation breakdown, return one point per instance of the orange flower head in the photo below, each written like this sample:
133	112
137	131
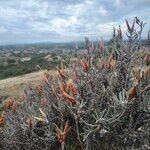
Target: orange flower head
71	87
14	107
132	92
61	135
66	128
64	94
30	122
61	87
85	65
8	103
2	119
68	97
110	63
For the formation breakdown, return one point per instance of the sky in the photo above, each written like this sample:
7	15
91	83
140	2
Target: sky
31	21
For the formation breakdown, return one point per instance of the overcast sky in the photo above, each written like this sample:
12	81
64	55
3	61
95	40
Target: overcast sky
27	21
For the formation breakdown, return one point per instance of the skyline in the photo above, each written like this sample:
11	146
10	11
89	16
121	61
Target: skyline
66	20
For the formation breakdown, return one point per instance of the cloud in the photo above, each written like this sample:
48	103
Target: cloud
66	20
2	30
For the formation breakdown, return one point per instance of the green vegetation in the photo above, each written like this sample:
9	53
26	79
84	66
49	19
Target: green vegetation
21	68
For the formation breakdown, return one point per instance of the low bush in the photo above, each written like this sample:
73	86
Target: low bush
99	102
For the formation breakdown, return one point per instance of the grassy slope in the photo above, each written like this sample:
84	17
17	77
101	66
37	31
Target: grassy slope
14	86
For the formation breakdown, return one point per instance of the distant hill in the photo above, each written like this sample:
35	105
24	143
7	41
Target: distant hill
39	46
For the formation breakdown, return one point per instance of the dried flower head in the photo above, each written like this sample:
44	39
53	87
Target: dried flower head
85	65
61	135
68	97
43	117
130	28
2	119
132	92
30	122
110	63
71	87
8	103
61	71
14	107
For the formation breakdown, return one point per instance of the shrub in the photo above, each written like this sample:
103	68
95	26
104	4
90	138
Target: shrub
95	103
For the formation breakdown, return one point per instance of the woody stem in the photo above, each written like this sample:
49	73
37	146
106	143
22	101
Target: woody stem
62	145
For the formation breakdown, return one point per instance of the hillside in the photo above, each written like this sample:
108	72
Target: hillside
14	86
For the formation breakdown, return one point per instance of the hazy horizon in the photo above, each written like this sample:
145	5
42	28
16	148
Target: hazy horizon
61	21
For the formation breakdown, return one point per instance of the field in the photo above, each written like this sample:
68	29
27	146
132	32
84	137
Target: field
15	86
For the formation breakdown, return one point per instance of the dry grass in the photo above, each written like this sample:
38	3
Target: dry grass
15	86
